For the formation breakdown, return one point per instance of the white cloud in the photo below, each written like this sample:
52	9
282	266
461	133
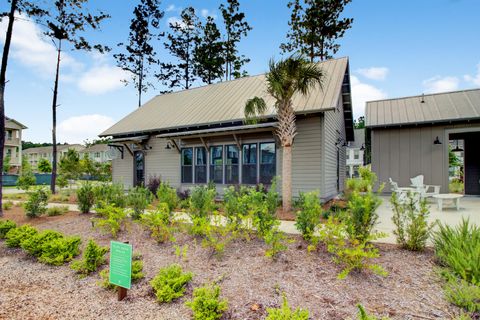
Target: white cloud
80	128
474	79
102	79
361	93
374	73
171	7
440	84
175	21
206	13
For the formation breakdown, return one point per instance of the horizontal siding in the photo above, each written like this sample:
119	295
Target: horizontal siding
163	163
122	170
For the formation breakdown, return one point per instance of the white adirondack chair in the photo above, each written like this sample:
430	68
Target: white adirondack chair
425	190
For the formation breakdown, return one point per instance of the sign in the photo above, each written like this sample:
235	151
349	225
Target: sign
120	264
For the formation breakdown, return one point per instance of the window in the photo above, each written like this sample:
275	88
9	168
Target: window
187	165
267	162
9	152
231	164
249	164
97	154
9	134
200	165
348	154
356	154
355	172
216	164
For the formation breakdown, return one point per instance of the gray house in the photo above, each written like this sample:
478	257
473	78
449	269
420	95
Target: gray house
198	135
410	136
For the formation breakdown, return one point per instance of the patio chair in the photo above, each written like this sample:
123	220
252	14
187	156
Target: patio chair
394	185
425	190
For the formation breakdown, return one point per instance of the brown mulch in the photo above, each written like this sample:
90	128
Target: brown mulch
251	282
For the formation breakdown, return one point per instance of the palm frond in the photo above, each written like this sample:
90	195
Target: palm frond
253	109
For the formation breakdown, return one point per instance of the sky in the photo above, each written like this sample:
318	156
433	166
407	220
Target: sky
396	48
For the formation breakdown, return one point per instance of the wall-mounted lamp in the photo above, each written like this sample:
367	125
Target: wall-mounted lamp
146	147
437	141
341	142
362	147
168	146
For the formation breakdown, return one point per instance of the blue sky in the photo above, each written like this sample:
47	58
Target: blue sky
396	48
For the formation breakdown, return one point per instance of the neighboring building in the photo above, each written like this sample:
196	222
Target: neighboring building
410	136
355	153
35	154
198	135
97	152
13	143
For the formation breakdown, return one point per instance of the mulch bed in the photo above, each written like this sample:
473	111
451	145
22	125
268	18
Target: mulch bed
250	281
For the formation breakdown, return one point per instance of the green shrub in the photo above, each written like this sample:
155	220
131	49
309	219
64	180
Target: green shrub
456	187
57	211
5	226
263	207
137	270
361	215
15	236
458	248
308	216
33	245
112	219
463	294
235	204
168	195
363	315
36	203
201	205
216	236
138	198
26	180
137	274
206	303
109	194
61	181
93	257
275	240
169	284
7	205
58	251
160	223
86	197
286	313
410	218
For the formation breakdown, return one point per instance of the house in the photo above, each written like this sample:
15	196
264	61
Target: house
355	153
35	154
98	152
198	135
410	136
13	144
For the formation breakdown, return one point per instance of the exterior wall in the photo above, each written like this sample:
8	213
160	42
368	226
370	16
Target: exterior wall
13	144
122	169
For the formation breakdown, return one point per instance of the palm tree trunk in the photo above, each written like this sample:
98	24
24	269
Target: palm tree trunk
54	121
3	71
287	178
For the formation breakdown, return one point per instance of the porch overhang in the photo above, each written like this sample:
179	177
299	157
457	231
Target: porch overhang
242	129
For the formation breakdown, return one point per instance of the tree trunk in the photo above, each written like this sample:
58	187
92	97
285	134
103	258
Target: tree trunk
54	121
287	178
3	71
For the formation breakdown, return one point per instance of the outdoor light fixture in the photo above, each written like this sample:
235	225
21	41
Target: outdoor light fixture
362	147
168	146
457	148
437	141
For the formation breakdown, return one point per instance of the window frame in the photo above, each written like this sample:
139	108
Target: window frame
212	166
274	163
225	164
195	158
249	164
182	165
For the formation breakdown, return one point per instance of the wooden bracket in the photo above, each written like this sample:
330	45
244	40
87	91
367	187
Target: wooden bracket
175	144
204	143
237	141
128	149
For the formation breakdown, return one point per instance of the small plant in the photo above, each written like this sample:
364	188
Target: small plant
160	223
463	294
410	218
138	198
109	194
137	274
26	180
5	226
7	205
201	205
57	211
264	208
33	245
363	315
153	183
286	313
15	236
112	219
168	195
206	303
93	257
275	239
181	252
62	181
308	216
216	237
86	197
36	203
169	284
58	251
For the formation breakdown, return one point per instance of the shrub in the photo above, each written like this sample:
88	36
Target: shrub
109	194
93	257
363	315
183	194
5	226
7	205
201	204
15	236
36	203
263	207
160	223
57	211
58	251
206	303
275	239
61	181
235	204
456	186
138	198
169	284
112	219
410	218
286	313
458	248
137	274
309	215
26	180
86	197
463	294
168	195
33	245
216	237
153	183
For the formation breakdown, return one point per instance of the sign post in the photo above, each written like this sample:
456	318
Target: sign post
121	267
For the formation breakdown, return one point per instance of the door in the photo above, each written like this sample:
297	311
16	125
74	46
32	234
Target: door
139	168
472	164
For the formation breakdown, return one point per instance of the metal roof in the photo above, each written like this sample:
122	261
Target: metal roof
224	102
429	108
214	131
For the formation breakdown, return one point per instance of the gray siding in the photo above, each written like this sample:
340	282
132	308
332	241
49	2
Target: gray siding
164	163
122	170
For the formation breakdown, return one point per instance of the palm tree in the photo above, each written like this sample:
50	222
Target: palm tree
294	75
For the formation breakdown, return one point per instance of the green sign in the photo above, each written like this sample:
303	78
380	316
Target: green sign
120	264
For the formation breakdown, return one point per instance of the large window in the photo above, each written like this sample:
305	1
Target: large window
231	164
187	165
267	162
216	164
249	164
356	154
200	165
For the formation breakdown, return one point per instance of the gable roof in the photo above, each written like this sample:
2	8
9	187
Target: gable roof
18	124
224	102
429	108
49	149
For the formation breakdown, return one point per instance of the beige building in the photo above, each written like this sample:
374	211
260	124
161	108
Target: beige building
35	154
198	135
13	144
410	136
97	152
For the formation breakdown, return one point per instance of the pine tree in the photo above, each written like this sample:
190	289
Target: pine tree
235	28
315	27
208	53
139	54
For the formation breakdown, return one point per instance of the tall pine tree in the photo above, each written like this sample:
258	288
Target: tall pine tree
139	54
315	27
208	53
181	41
235	28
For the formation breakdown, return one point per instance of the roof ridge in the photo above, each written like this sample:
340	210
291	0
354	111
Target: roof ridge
425	95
